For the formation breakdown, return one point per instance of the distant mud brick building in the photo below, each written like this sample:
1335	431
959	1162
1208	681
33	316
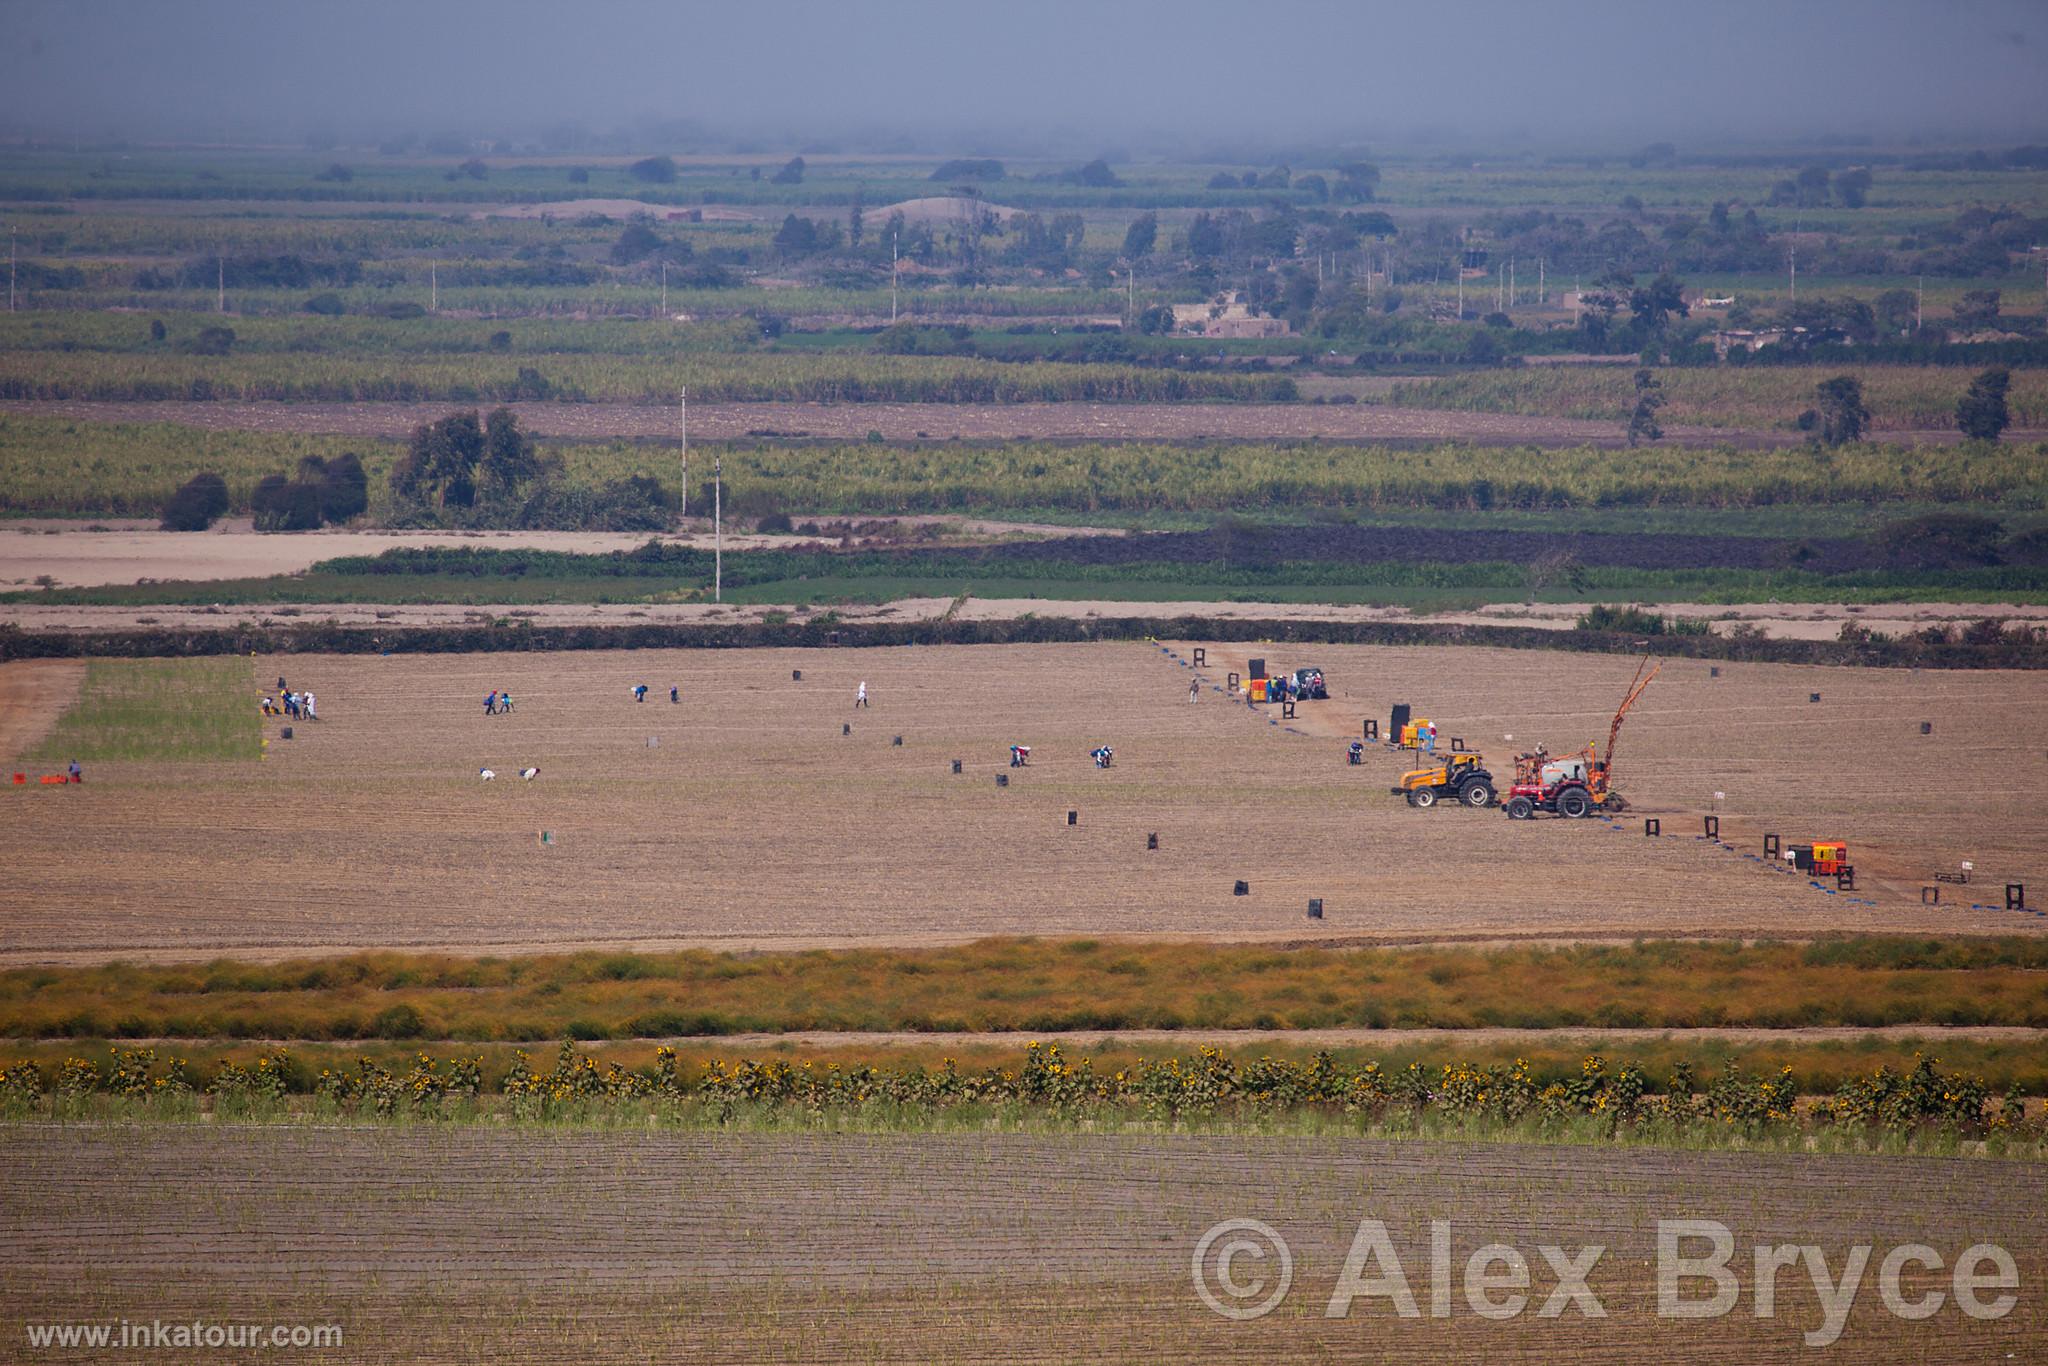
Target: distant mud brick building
1225	316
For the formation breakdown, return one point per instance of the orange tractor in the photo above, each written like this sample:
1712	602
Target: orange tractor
1574	785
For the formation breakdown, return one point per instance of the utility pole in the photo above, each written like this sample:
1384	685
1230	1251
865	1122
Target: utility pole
1461	283
1511	282
685	404
433	286
718	527
220	264
893	273
10	268
664	288
1919	301
1542	290
1792	264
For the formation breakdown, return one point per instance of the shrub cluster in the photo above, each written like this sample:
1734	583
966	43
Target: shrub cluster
1987	644
1621	1100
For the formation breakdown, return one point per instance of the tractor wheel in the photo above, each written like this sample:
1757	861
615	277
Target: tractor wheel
1424	797
1521	809
1574	802
1477	793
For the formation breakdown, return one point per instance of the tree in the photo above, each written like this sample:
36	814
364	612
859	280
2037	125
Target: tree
1642	423
1811	186
1981	413
1482	349
579	176
1655	302
1095	174
508	459
1141	236
337	173
1977	308
197	503
1318	188
969	168
637	242
856	220
1839	409
439	464
1596	317
345	492
797	237
213	341
327	305
654	170
1895	310
1156	321
1357	183
792	173
281	504
1204	236
1853	186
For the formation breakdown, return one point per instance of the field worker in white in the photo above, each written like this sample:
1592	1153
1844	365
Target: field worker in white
860	699
485	774
311	713
1194	690
529	773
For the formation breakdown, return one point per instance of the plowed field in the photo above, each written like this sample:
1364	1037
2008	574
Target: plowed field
429	1244
743	816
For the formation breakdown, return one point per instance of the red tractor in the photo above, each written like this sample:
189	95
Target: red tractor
1573	785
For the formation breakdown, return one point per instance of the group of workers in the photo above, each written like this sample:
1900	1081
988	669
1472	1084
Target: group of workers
289	703
675	694
498	703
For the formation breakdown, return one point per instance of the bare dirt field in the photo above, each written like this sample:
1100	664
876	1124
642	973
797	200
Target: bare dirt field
940	421
130	552
32	696
743	817
430	1244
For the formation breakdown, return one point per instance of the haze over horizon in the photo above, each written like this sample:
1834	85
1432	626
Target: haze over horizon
1061	75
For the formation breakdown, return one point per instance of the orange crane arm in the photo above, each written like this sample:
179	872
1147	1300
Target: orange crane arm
1635	691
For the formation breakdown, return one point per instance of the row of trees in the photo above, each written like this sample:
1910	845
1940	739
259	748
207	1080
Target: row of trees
323	492
1839	414
461	470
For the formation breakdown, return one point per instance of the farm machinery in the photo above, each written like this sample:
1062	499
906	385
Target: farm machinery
1460	777
1575	785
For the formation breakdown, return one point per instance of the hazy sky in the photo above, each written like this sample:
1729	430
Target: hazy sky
1102	73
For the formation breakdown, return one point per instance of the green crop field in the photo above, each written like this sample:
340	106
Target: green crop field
184	710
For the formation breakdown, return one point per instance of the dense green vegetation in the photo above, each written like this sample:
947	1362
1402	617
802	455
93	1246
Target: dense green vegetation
1901	397
1050	986
1206	567
53	466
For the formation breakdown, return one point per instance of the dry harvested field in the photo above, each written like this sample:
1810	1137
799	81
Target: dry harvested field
744	817
464	1243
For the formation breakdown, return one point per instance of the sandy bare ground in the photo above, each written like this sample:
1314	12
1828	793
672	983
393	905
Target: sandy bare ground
747	817
31	699
433	1243
128	552
939	421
